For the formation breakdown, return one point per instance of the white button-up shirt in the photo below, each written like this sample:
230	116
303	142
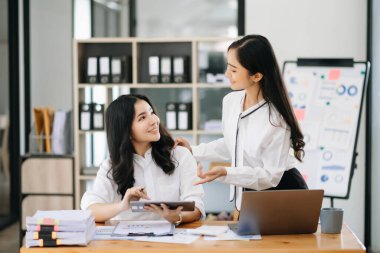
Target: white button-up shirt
159	186
257	145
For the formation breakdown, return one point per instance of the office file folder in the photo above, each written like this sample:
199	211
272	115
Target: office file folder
84	116
104	69
166	69
48	115
38	125
121	69
127	68
154	69
97	116
61	133
184	116
171	116
180	68
92	70
41	137
117	74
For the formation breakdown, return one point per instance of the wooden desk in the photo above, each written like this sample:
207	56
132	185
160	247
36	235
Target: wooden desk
344	242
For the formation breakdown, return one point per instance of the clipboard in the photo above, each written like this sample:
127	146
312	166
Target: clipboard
143	228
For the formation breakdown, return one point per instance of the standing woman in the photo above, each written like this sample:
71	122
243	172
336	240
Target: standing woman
142	164
261	135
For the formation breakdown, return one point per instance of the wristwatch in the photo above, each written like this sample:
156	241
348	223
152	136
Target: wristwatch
179	221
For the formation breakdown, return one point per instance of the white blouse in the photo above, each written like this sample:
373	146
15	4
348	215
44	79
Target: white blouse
258	147
159	186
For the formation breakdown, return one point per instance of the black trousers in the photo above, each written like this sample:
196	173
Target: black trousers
291	180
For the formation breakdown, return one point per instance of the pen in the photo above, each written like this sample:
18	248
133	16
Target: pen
141	234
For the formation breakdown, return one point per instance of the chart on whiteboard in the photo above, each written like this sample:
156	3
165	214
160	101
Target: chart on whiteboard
327	102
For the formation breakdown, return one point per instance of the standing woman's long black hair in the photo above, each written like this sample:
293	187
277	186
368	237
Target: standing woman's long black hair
119	118
255	53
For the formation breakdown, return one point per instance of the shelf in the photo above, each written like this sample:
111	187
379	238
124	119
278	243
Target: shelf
137	86
207	132
155	40
90	131
206	98
163	85
179	132
105	85
176	132
213	85
87	177
153	86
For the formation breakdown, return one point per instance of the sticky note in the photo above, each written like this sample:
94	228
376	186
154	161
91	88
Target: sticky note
334	74
300	114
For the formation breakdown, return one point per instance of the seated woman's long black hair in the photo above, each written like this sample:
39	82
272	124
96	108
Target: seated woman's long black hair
119	118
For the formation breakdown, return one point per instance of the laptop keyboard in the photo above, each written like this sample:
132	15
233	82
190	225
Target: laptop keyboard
234	227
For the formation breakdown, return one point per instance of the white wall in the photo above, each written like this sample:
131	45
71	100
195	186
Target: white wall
4	58
51	53
318	28
375	126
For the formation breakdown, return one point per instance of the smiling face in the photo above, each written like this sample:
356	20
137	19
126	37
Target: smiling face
145	125
239	76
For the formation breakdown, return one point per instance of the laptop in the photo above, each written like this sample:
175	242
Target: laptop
279	212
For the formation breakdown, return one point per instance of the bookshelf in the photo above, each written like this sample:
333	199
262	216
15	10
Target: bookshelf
205	97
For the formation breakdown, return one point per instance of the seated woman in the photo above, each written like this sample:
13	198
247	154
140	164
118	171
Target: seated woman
142	164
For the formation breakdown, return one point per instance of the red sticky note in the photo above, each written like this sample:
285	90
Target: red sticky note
300	114
334	74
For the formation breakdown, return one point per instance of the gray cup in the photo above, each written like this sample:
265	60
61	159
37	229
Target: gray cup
331	220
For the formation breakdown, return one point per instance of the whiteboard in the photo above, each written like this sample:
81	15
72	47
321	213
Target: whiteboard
327	102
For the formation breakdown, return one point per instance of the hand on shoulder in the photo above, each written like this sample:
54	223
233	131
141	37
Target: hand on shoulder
183	143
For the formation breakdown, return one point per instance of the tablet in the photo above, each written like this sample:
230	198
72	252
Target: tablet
138	206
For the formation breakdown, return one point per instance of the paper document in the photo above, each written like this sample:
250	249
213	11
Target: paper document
143	228
208	230
104	233
60	217
231	236
179	236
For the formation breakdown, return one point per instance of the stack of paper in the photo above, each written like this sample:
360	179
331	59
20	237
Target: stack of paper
64	227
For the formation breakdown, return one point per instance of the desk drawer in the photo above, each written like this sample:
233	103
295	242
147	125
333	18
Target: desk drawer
47	175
